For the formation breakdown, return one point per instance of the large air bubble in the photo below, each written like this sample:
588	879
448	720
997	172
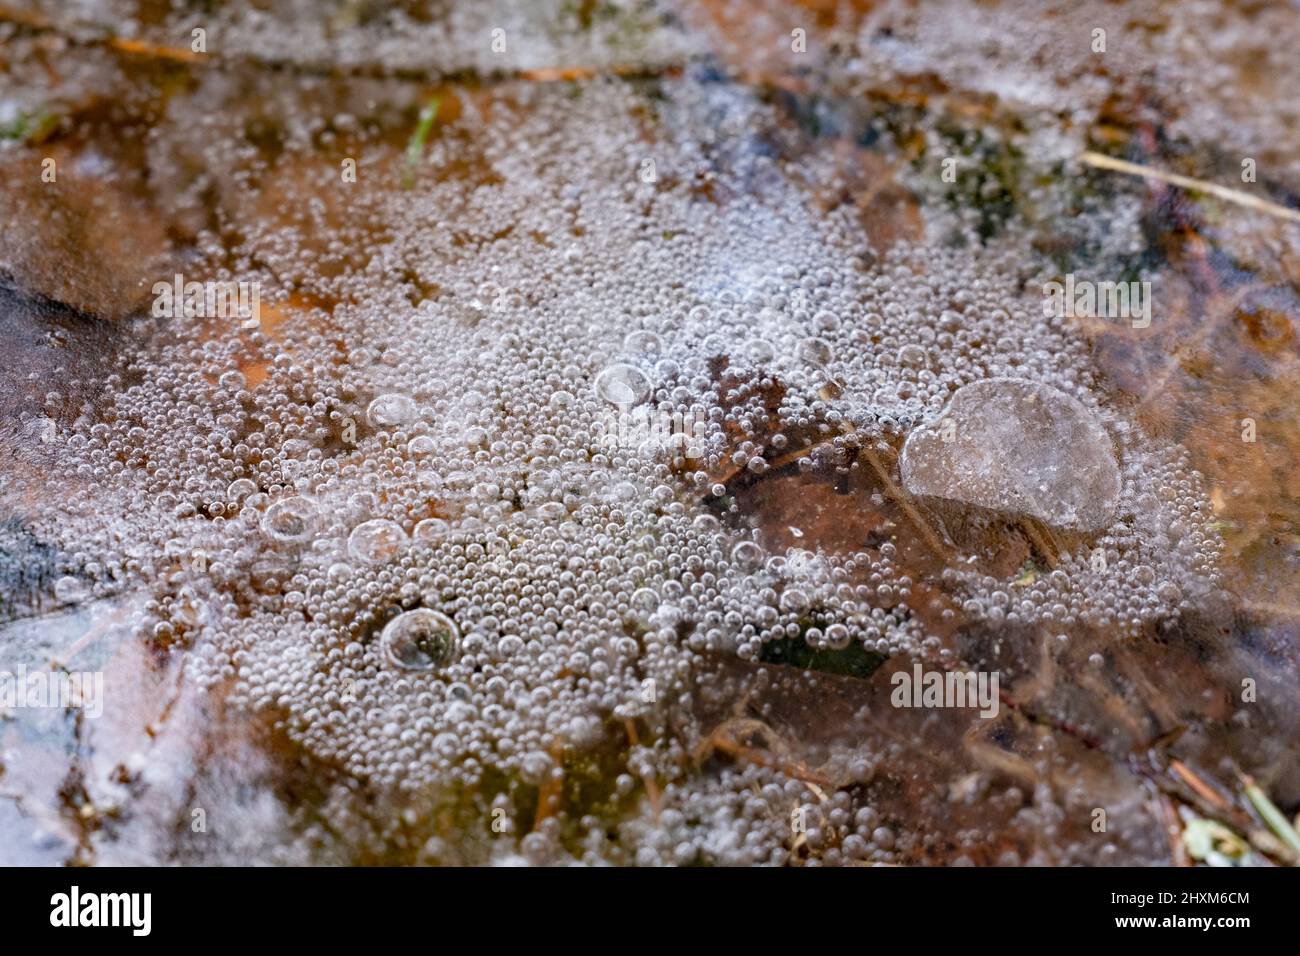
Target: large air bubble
419	640
1019	447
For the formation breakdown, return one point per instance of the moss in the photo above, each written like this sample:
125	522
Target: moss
989	177
30	128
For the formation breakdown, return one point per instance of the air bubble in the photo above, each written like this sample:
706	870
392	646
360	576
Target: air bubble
815	351
623	384
419	640
391	410
748	555
431	529
376	541
70	590
290	521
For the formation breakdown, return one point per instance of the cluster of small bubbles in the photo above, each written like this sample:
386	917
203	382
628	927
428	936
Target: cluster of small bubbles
755	815
1159	560
419	555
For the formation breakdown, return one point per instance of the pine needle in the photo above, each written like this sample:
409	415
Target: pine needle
1101	161
1270	814
415	148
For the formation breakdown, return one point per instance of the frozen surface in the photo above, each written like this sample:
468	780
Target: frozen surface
389	579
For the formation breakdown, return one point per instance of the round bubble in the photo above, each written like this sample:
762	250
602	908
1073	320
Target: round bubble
70	590
376	541
387	411
643	342
815	351
623	384
747	554
431	529
239	489
420	446
290	521
419	640
760	351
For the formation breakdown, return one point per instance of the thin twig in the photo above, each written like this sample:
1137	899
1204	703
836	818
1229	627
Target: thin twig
1269	813
1101	161
153	51
98	625
1196	783
905	502
651	788
1173	830
1035	535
